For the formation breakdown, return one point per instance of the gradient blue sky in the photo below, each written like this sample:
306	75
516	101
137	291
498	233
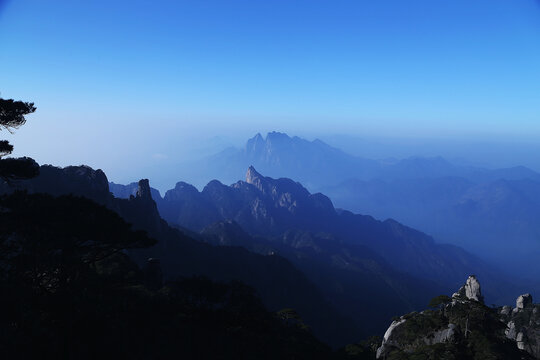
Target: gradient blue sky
121	83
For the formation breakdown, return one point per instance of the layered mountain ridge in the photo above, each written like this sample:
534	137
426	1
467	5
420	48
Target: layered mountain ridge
353	259
270	207
490	212
317	164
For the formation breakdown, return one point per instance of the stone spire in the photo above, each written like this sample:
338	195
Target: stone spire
143	192
471	290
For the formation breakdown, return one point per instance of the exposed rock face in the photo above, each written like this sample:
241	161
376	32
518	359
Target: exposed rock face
523	301
394	336
253	178
510	331
442	336
285	192
521	341
390	338
471	290
451	324
523	324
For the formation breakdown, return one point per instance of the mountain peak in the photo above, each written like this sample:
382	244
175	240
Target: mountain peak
276	135
255	144
252	176
143	190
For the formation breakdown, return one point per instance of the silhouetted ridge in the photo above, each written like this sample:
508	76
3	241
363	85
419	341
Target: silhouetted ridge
85	299
181	189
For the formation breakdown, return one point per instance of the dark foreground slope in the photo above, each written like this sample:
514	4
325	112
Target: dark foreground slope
278	283
69	291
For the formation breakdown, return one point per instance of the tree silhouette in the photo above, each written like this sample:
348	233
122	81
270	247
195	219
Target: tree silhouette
12	116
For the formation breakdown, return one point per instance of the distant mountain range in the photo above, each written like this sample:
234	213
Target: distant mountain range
491	212
316	164
498	219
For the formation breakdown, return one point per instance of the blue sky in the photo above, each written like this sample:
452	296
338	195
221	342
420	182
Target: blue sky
118	83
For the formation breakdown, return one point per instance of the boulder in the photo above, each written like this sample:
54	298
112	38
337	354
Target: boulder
389	340
471	290
510	331
523	301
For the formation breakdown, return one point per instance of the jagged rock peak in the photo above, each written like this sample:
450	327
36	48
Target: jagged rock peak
523	301
252	176
277	136
471	290
259	143
143	190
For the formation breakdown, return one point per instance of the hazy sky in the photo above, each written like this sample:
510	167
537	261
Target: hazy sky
120	83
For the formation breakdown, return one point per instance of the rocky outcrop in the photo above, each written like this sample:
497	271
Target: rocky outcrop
277	189
442	336
463	327
470	291
523	301
125	191
393	340
390	339
523	324
143	191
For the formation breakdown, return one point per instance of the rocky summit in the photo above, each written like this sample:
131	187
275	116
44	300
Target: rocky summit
463	327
